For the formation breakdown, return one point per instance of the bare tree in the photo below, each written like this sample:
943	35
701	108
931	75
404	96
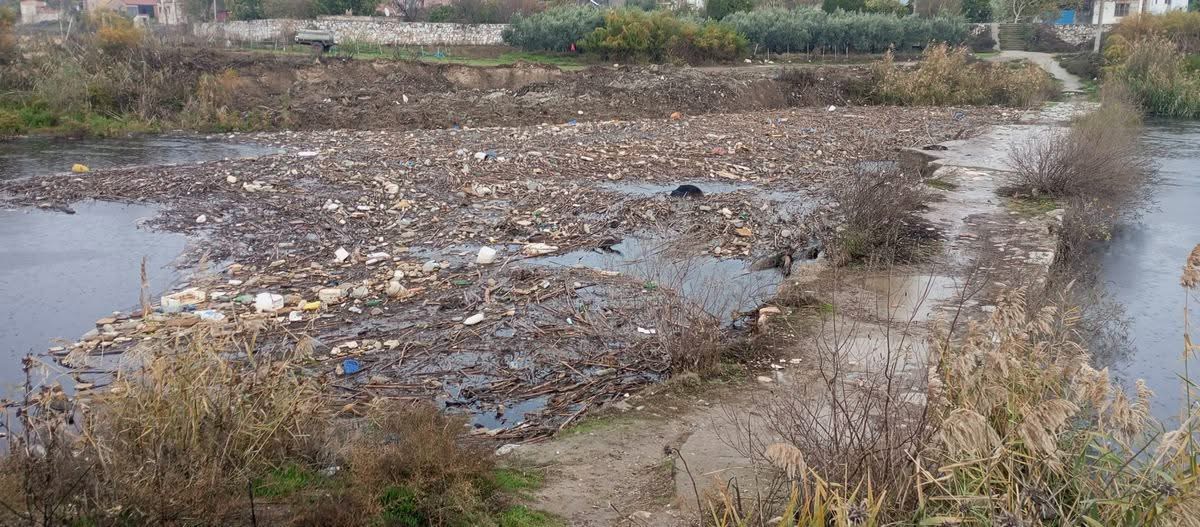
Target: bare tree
409	10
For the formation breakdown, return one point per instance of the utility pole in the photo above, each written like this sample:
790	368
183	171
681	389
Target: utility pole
1098	17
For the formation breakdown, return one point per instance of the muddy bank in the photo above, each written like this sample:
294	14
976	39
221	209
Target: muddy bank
366	246
299	93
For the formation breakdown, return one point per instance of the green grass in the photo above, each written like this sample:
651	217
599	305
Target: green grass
986	54
400	508
286	480
592	424
34	118
515	481
522	516
941	184
1030	206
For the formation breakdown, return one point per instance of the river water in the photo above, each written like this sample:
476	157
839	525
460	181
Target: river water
59	272
1142	264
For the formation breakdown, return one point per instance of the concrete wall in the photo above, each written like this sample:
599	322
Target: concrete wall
370	30
34	12
1108	11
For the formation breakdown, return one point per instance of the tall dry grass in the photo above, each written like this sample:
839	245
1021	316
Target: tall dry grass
1023	431
1157	74
947	76
1181	28
1032	433
177	441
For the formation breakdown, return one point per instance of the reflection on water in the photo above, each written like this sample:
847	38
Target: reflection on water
60	272
1142	264
34	156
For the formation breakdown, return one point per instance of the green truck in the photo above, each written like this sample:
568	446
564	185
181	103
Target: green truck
321	40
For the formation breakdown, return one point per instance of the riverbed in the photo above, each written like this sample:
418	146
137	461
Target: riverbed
1142	264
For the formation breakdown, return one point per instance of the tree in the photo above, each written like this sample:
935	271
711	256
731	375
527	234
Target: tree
718	9
408	10
977	10
890	7
934	8
845	5
294	9
246	9
1018	10
341	7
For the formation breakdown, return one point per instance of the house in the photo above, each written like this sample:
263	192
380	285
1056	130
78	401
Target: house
169	12
1112	11
37	11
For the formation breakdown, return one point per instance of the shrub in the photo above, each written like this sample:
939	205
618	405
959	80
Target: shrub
443	13
718	9
10	123
1156	74
413	467
632	34
806	29
175	441
1085	65
1180	27
1029	429
710	42
1044	39
554	29
878	217
116	34
945	77
1099	157
978	11
982	42
8	41
886	7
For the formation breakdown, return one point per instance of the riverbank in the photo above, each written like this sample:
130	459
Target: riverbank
651	458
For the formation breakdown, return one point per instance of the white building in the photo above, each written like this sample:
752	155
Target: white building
1112	11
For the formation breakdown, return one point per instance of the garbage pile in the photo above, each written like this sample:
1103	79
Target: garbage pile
421	265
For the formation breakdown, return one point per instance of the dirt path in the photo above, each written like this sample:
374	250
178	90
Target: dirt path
1071	83
620	470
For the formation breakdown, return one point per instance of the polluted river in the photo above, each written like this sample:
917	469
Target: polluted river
62	269
521	275
523	283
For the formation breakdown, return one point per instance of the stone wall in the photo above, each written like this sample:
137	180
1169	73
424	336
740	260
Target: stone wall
1078	34
367	30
